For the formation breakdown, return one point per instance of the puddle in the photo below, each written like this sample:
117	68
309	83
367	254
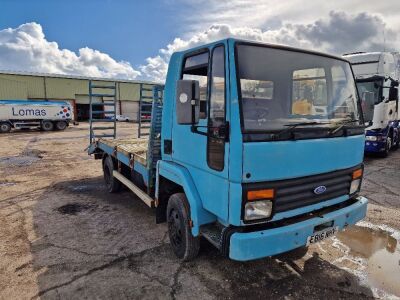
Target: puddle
72	208
26	158
7	184
381	252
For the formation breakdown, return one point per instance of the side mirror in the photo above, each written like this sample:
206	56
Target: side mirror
393	93
187	101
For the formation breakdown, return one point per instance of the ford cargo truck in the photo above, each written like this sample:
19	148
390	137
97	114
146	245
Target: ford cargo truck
377	76
258	148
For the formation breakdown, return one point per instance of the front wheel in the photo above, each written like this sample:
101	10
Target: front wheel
184	244
5	127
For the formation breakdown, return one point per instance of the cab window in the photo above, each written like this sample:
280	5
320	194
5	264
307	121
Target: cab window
196	68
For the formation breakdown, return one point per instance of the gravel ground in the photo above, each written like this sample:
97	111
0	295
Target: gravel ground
63	236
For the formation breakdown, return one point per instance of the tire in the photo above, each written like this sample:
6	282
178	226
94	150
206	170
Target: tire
388	146
61	125
113	185
397	143
47	126
183	243
5	127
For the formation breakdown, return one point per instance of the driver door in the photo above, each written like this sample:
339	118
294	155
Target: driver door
204	151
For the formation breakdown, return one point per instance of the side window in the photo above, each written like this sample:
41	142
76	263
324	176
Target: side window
215	142
217	96
196	68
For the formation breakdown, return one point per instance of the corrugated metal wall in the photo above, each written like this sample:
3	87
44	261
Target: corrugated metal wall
44	87
12	89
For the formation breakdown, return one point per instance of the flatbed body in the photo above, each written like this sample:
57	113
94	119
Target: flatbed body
135	148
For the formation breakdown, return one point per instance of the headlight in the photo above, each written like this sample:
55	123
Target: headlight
355	184
371	138
255	210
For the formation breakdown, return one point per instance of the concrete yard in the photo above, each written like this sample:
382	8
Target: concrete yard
63	236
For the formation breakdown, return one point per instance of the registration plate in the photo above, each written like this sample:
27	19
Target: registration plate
322	235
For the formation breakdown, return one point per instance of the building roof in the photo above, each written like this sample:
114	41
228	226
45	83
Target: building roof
67	76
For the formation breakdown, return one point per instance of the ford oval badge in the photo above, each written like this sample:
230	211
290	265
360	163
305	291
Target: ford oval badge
320	189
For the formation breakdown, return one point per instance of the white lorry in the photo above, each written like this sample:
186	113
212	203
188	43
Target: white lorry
377	75
46	115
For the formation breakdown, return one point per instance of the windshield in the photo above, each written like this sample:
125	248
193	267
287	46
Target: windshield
370	93
279	88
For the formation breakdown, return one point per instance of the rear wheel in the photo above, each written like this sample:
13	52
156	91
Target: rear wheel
388	146
5	127
47	126
396	142
113	185
184	244
61	125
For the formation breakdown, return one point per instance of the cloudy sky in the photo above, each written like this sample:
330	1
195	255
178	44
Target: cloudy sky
134	39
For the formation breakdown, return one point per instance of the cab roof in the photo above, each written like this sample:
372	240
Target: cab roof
262	44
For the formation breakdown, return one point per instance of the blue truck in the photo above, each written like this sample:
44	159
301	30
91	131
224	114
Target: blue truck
257	148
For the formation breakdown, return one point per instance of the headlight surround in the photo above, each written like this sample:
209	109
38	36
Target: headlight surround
355	186
371	138
375	138
255	210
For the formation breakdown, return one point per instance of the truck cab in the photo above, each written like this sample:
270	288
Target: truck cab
261	149
377	76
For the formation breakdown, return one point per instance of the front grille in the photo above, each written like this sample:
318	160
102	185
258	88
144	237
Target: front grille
299	192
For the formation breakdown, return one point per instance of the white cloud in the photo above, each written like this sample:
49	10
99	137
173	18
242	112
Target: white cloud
337	33
26	49
267	13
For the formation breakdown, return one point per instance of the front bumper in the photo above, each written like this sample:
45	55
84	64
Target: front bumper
259	244
374	146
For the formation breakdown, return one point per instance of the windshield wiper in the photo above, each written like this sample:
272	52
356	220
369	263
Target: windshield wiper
341	125
294	125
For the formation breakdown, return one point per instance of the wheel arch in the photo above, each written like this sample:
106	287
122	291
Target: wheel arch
173	178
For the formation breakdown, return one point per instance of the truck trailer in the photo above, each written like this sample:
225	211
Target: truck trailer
46	115
377	76
258	148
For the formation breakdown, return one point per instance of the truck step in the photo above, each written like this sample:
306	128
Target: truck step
147	89
104	104
97	112
103	135
103	87
102	128
103	95
102	120
212	233
135	189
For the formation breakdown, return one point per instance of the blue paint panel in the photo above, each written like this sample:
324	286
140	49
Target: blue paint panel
181	176
190	149
290	159
41	103
259	244
236	151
